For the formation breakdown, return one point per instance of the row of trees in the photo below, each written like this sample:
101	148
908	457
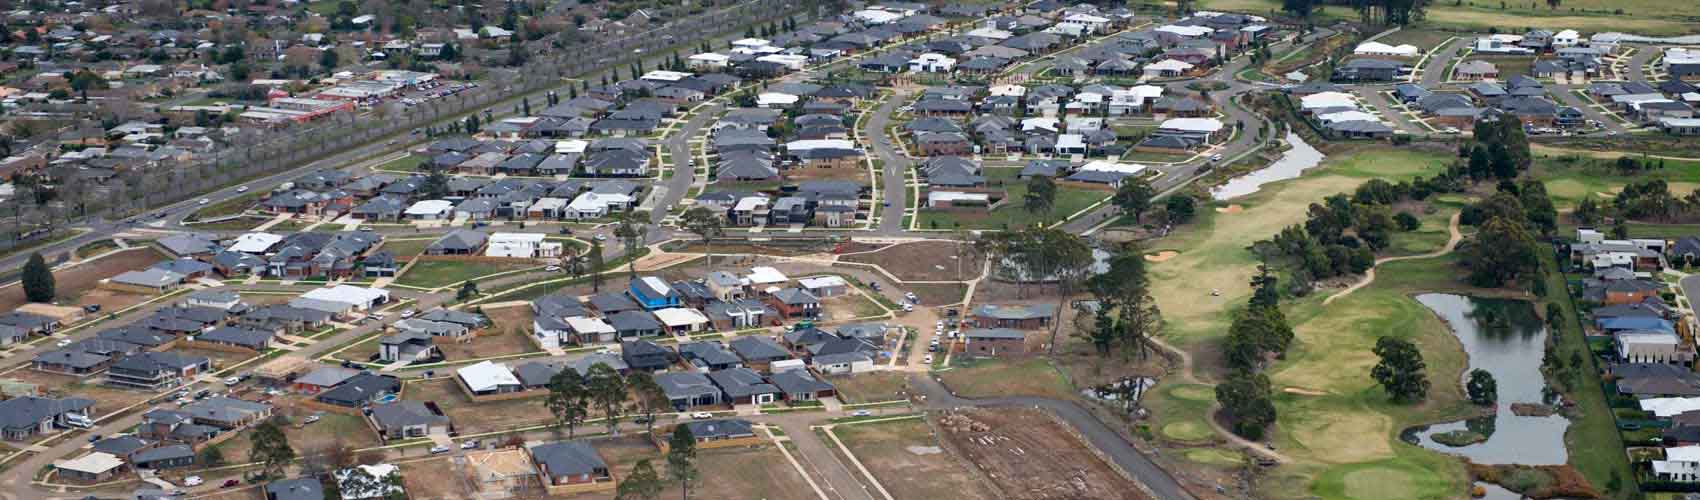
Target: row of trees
1258	333
1127	316
1504	250
572	398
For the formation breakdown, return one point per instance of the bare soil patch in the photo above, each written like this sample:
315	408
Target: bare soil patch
1029	455
437	478
107	398
906	458
490	344
858	174
924	261
1161	256
870	387
474	418
75	282
1230	209
753	473
933	294
848	307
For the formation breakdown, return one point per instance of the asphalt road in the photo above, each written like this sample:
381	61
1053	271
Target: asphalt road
896	164
684	164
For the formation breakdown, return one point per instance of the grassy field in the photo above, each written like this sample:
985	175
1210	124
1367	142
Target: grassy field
96	248
1570	179
409	163
1345	441
404	249
1013	213
439	273
1647	17
1596	449
1432	234
982	378
236	224
231	206
1212	250
870	387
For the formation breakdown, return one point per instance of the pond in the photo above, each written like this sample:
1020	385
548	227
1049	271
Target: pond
1506	338
1294	161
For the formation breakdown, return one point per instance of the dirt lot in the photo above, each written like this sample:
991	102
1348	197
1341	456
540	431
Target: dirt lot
489	345
434	479
849	306
107	399
870	387
906	458
1030	456
858	175
934	294
921	261
76	282
351	430
473	418
743	473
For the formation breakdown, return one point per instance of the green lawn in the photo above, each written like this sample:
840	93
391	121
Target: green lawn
406	248
1569	179
1596	449
408	164
1422	38
236	224
983	378
231	206
440	273
1013	212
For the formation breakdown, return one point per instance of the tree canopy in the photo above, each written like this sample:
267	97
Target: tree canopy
1401	371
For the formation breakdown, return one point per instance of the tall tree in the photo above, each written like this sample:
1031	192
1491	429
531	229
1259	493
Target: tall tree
631	232
270	447
1481	388
1504	251
650	397
707	225
1401	371
568	400
642	483
596	265
681	458
38	279
1245	397
1041	196
1134	196
1180	208
608	390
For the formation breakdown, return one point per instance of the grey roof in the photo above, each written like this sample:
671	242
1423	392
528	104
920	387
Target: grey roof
837	358
582	365
362	388
723	428
159	361
459	239
633	320
758	348
741	382
795	296
72	357
711	353
563	458
30	411
301	488
327	376
682	385
121	446
558	305
799	381
995	333
537	373
611	302
222	409
406	413
187	244
245	337
169	452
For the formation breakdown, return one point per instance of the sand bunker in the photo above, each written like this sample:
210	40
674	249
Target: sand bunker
1230	209
1161	256
1304	392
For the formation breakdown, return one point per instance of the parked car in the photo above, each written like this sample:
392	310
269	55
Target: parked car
231	483
469	445
861	413
702	415
63	342
232	380
310	419
408	313
439	449
552	269
192	481
927	359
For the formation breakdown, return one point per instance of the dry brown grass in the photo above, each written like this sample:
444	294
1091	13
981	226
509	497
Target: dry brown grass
909	462
81	280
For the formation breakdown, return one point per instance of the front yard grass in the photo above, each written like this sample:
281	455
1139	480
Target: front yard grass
441	273
986	378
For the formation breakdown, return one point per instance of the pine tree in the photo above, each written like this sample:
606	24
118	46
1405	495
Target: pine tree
38	279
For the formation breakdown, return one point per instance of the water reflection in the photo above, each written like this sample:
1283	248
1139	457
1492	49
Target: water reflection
1293	162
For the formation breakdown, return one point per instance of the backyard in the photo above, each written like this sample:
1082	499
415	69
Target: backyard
475	418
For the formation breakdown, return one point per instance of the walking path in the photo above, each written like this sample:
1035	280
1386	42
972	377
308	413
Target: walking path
1369	275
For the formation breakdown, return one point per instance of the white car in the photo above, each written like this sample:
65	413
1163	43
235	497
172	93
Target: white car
408	313
204	201
861	413
469	445
439	449
928	359
702	415
908	307
242	189
192	481
552	269
232	380
63	343
310	419
1216	157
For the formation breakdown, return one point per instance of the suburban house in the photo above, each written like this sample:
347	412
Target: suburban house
409	419
645	355
28	416
570	467
686	390
406	347
1020	316
156	370
361	390
653	293
996	342
794	303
